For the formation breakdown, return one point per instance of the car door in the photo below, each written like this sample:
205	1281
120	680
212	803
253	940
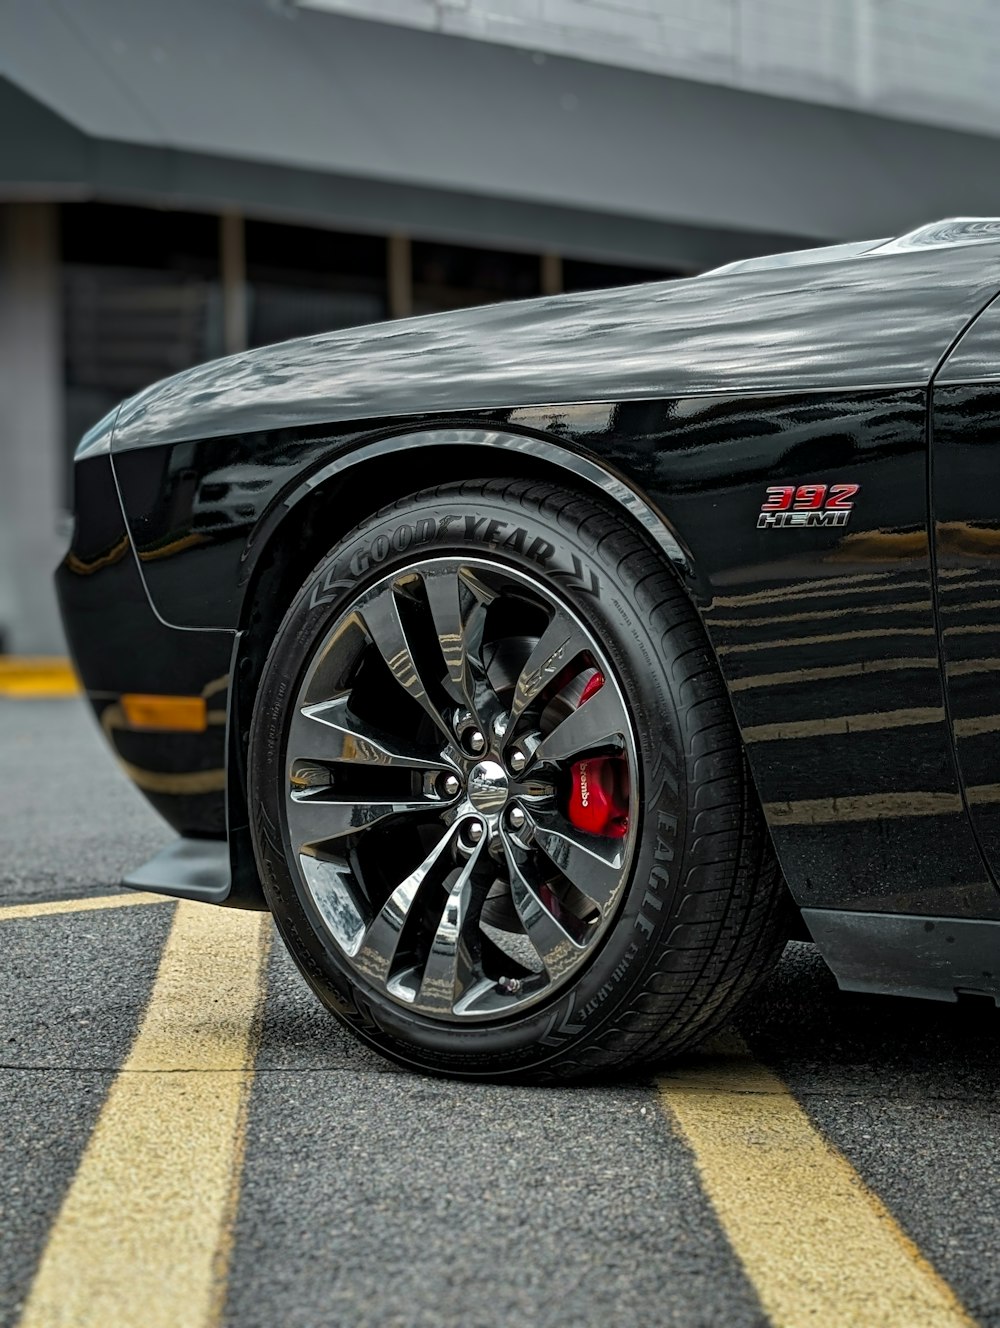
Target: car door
965	488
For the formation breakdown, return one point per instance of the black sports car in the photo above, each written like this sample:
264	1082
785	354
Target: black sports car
541	667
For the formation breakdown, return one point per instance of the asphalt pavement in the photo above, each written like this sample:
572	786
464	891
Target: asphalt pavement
362	1194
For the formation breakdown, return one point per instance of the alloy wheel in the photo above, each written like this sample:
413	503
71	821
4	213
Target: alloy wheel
462	789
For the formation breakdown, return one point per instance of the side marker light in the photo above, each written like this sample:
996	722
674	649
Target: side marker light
180	714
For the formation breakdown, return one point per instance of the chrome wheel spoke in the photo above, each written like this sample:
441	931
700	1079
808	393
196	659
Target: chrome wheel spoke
331	884
475	783
599	724
458	601
554	946
558	645
388	633
381	939
451	971
327	731
593	864
314	817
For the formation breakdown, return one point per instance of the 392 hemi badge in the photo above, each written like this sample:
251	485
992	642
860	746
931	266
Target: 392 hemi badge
806	505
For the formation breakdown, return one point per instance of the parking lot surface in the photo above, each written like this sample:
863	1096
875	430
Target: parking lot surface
188	1138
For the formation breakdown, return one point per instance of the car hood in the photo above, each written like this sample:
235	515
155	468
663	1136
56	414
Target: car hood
875	314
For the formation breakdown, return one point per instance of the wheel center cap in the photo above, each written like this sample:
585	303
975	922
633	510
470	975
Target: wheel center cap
487	788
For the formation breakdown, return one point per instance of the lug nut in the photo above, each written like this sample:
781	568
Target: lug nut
474	831
450	785
515	818
475	742
518	760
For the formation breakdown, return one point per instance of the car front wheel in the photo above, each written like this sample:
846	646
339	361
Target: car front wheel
501	811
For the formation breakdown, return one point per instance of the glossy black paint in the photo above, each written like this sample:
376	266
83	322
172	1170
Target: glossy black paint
119	645
237	477
976	357
827	642
966	480
188	868
896	954
826	322
965	472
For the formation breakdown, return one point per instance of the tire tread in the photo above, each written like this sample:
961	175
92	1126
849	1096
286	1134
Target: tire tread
730	915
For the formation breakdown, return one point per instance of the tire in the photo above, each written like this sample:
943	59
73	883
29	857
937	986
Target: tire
665	917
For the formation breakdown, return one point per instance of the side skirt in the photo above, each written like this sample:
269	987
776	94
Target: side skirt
899	954
196	869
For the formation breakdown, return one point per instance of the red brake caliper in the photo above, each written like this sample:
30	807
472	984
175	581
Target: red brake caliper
598	799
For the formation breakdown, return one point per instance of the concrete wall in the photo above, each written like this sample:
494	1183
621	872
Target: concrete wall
31	427
926	60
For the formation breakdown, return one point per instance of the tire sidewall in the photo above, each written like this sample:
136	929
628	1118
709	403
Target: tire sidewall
559	545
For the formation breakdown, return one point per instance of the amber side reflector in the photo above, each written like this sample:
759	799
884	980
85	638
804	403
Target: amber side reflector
183	714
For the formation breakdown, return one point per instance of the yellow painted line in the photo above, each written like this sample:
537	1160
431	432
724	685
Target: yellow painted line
980	583
33	677
814	588
11	664
824	615
880	546
864	807
866	722
144	1232
979	604
976	725
49	907
960	667
177	782
858	669
828	638
819	1247
970	629
982	793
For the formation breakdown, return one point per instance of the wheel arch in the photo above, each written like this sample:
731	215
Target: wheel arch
355	485
294	536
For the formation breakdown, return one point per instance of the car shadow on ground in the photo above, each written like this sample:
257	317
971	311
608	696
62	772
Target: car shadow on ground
819	1037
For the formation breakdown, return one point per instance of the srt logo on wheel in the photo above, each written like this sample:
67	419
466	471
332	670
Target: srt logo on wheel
806	505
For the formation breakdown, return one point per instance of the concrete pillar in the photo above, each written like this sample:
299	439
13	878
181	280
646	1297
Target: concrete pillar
551	270
32	457
400	276
233	265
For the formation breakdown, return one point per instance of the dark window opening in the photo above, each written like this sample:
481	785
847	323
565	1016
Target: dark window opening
579	275
452	276
141	300
301	281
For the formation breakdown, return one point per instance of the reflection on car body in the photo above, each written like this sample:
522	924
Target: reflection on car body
325	521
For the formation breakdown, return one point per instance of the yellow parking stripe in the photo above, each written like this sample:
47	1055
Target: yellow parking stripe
818	587
144	1232
827	638
866	722
33	677
817	1245
46	909
858	669
864	807
825	614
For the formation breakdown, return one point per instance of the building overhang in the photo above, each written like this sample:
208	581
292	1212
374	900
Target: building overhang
316	117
